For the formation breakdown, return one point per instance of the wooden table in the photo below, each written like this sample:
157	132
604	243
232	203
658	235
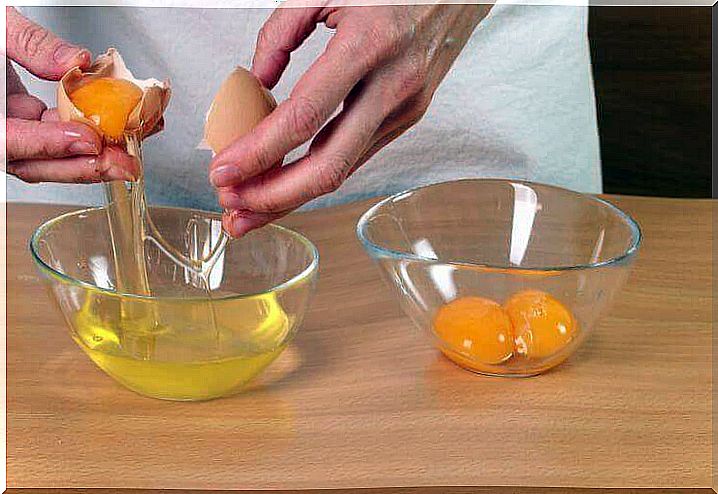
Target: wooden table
361	400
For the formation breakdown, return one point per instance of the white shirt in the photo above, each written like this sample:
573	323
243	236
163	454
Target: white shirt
518	102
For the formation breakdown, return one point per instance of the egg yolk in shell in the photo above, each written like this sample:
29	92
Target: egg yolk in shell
108	102
478	328
542	325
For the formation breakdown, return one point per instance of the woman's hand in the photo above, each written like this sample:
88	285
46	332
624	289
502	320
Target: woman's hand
39	147
383	66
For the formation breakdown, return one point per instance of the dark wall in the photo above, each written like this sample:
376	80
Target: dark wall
652	70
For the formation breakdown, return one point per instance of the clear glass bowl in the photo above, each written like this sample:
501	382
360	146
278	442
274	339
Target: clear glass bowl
176	344
506	277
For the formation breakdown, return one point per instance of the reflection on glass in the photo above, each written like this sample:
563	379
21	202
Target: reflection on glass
598	248
525	209
407	285
595	257
98	268
442	275
217	271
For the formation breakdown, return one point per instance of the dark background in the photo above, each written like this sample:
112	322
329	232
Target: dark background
652	71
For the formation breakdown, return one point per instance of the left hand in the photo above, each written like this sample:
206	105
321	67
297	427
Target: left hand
383	65
39	147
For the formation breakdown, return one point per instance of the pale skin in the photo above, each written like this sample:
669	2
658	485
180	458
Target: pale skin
381	68
39	147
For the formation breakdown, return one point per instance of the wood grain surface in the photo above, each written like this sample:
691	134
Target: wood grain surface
385	490
361	400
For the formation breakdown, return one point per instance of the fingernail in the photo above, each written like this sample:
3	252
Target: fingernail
116	173
67	53
235	224
222	176
230	200
84	58
82	147
70	133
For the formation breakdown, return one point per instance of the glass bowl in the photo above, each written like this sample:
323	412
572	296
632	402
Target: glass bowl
508	278
176	343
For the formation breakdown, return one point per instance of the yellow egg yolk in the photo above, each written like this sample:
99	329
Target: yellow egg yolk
542	325
107	102
477	329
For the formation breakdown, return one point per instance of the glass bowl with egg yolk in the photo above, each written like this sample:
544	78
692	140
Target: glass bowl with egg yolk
507	278
192	337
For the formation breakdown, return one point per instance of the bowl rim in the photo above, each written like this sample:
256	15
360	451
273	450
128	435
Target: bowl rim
64	278
379	251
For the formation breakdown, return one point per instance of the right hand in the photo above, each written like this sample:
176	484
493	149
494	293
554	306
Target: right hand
40	148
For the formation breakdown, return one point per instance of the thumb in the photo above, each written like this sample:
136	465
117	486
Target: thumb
40	51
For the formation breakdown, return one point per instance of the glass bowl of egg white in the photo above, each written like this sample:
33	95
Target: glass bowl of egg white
507	278
171	329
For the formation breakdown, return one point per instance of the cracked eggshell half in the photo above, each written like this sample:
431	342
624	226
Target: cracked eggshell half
146	118
239	105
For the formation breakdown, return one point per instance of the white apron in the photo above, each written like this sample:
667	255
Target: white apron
517	103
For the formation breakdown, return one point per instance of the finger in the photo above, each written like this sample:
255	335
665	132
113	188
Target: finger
315	97
283	32
42	140
40	51
112	164
13	83
24	106
331	158
391	129
240	222
50	115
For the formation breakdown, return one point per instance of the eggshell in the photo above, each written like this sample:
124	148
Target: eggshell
145	119
239	105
